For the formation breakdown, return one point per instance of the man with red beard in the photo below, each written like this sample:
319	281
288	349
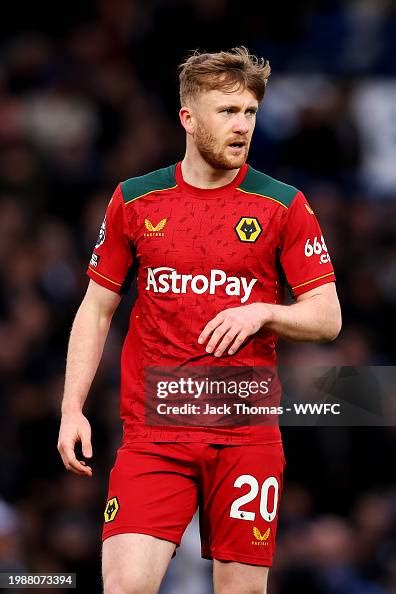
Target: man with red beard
214	242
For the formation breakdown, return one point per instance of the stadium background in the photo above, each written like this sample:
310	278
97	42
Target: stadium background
88	97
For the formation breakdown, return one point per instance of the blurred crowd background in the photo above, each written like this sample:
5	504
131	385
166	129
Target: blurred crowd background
89	97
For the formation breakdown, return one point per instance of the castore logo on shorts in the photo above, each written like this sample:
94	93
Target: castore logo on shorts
165	280
261	539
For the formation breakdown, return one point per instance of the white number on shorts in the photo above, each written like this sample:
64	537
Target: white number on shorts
248	479
269	482
235	512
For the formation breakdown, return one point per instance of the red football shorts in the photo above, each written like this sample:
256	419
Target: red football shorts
155	489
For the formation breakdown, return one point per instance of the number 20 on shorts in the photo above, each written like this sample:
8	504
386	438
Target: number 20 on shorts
266	514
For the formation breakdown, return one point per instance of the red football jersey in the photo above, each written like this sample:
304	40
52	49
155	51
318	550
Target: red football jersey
198	252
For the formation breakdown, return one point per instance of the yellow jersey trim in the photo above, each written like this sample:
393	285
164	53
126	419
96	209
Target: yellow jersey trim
263	196
313	280
151	192
105	277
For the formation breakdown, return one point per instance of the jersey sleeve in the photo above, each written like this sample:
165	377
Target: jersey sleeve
112	257
304	256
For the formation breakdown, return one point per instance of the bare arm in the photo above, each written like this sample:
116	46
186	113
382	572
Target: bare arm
315	317
87	339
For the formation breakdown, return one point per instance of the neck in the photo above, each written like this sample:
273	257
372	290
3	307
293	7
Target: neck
198	173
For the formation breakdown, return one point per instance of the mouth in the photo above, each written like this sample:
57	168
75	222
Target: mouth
237	146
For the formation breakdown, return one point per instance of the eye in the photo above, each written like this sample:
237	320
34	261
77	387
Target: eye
251	112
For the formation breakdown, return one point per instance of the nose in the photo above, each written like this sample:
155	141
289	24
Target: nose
241	124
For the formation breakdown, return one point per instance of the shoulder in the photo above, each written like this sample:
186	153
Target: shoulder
258	183
155	181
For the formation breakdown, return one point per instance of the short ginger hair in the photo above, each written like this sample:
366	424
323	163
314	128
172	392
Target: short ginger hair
224	71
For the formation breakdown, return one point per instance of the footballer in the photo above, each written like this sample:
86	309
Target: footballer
214	243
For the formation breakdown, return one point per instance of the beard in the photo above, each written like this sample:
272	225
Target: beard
214	153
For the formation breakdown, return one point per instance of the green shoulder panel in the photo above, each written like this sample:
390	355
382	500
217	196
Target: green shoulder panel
136	187
259	183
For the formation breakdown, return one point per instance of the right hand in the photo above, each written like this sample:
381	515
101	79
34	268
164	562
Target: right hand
75	428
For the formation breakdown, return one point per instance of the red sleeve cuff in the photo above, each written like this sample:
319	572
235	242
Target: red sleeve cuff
103	280
313	283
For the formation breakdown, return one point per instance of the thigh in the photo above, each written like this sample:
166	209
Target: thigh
239	510
152	491
134	563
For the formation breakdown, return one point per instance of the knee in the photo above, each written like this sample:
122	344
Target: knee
239	578
116	582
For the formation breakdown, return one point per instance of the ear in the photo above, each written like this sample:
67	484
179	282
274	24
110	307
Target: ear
187	119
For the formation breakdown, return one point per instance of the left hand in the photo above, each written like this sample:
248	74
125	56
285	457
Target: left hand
233	326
